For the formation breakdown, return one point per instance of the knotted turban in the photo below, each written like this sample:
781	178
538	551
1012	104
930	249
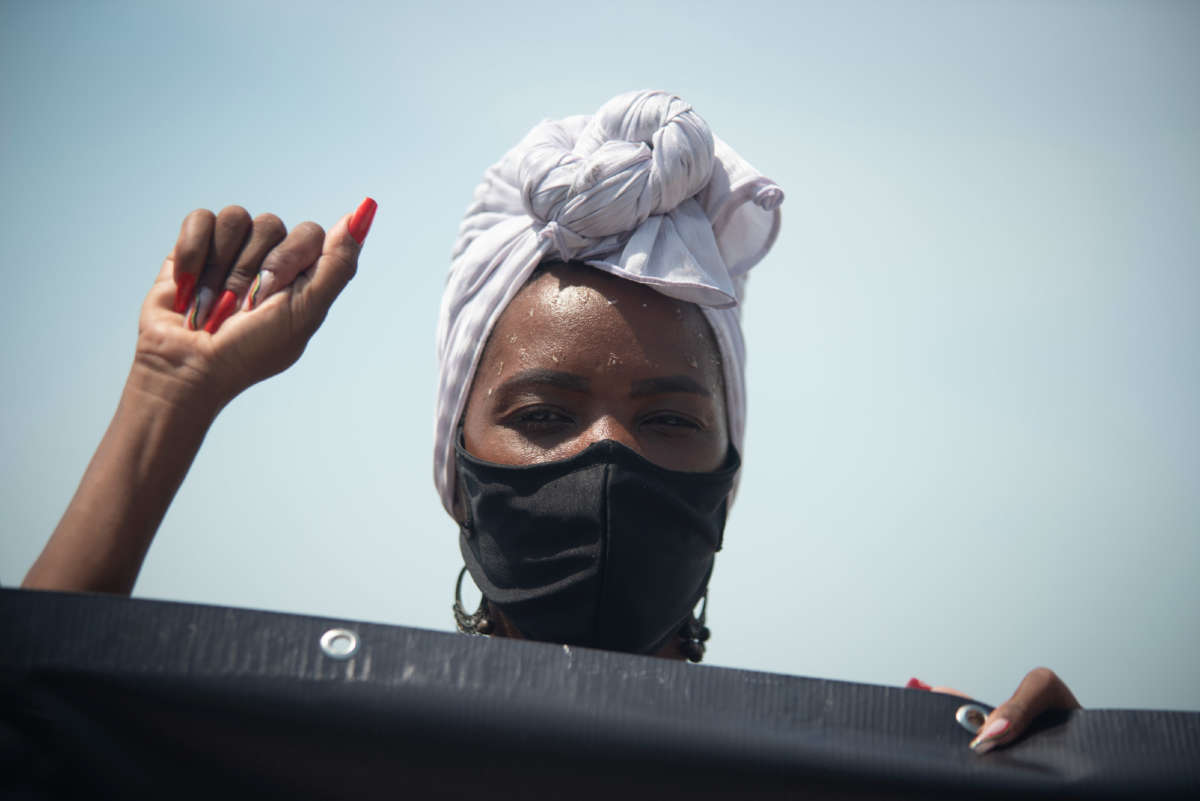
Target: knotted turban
642	190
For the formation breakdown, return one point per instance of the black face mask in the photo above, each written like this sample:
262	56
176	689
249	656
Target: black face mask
605	549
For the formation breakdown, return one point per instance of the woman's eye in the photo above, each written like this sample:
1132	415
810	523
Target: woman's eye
667	420
539	418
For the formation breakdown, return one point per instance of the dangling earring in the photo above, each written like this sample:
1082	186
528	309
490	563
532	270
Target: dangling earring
476	623
694	633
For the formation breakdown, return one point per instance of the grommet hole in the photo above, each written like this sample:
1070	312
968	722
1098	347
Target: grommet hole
971	717
339	643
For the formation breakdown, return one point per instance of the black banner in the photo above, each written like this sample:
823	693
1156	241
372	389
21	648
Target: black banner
119	698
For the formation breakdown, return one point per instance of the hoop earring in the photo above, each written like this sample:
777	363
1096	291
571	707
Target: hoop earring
694	633
476	623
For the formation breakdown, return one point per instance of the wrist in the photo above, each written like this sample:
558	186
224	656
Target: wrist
151	388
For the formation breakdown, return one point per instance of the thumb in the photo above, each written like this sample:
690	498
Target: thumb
337	263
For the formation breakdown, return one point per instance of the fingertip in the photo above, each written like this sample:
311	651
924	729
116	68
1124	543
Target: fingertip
262	288
991	734
234	212
272	226
201	306
184	284
225	307
198	217
309	231
360	222
252	293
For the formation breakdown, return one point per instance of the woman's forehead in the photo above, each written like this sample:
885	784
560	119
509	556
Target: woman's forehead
593	320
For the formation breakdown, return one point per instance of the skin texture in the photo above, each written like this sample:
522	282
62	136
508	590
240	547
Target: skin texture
612	340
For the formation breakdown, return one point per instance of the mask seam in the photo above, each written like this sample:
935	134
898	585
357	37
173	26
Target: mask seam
605	501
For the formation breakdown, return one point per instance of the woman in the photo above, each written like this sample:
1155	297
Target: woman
590	401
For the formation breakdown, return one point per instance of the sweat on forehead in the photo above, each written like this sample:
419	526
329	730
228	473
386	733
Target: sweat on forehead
605	321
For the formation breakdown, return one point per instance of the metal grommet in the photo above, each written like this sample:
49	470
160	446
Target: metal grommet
339	643
971	717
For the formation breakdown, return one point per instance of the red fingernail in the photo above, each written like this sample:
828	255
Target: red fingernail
360	223
916	684
183	291
221	313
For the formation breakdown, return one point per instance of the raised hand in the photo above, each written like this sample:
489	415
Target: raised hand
235	302
238	299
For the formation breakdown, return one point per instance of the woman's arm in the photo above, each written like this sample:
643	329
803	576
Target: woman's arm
102	539
195	353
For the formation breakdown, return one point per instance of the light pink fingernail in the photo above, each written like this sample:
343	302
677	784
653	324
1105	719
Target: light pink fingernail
200	308
264	285
252	293
989	735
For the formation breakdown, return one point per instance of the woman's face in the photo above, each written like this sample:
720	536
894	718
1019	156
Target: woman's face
580	356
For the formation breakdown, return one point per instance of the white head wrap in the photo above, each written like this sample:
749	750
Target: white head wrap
642	190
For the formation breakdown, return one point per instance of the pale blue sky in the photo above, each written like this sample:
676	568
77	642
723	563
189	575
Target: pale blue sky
974	374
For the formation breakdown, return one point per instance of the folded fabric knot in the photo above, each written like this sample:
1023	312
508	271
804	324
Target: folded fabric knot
566	242
641	189
642	154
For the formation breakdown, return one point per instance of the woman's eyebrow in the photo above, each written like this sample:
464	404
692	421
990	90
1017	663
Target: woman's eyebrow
538	376
667	384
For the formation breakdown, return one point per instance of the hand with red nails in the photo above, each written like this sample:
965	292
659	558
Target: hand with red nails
1040	691
238	298
235	302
